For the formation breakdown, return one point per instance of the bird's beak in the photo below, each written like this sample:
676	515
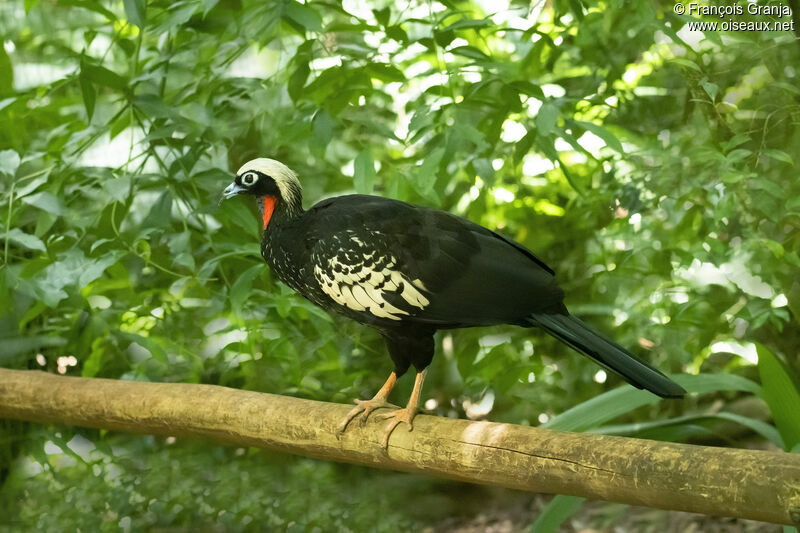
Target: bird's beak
232	190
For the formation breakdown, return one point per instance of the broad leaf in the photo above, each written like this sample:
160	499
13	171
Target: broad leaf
135	11
782	394
555	513
626	398
9	162
364	173
31	242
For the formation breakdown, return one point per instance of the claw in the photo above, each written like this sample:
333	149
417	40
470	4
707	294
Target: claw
400	416
364	407
361	411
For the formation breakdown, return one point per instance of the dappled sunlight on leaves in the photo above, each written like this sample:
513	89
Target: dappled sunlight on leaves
652	167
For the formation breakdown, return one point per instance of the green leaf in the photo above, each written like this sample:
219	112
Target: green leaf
30	242
95	268
711	89
778	155
240	216
762	428
119	125
152	105
735	141
470	52
150	344
97	358
117	188
5	102
424	175
30	4
46	202
9	162
385	73
422	117
322	128
382	15
614	403
601	409
95	7
98	243
72	270
103	76
180	13
469	23
15	347
305	16
757	426
6	73
364	173
686	63
775	247
240	290
708	383
397	33
739	154
180	249
770	187
208	5
555	513
793	296
135	11
546	118
160	214
483	168
88	93
780	391
443	37
297	81
609	138
528	88
180	243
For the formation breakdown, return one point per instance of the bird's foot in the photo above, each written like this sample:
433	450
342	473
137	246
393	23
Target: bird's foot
361	411
400	416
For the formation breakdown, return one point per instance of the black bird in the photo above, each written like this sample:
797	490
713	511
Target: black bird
409	271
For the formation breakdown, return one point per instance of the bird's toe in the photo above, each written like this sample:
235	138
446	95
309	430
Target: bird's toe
397	417
361	412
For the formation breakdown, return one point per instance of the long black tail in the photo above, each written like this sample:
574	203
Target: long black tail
609	354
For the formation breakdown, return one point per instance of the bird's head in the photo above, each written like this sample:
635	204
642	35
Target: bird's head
273	184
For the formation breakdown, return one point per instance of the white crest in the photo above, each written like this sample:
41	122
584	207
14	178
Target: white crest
284	177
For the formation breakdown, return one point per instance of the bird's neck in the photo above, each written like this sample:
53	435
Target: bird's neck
276	211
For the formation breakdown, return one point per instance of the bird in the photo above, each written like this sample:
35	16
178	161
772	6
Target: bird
409	271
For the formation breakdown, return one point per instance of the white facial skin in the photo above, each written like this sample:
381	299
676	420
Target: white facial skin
249	178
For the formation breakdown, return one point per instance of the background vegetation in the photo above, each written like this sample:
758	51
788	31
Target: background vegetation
653	167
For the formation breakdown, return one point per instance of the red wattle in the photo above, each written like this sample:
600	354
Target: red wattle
269	207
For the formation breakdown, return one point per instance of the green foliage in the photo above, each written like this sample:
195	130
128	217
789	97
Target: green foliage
555	513
217	489
626	399
654	169
782	394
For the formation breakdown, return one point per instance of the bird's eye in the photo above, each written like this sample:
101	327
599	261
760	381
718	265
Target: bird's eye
249	178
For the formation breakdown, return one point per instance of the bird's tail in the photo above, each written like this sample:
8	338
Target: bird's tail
610	355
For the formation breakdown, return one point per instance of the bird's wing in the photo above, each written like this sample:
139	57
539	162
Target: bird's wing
366	277
399	262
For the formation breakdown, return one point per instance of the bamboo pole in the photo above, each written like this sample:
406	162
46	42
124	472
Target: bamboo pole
750	484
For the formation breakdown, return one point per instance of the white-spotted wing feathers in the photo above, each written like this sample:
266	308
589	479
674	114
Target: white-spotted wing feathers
367	281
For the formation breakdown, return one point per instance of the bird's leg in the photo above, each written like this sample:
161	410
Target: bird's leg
407	414
364	407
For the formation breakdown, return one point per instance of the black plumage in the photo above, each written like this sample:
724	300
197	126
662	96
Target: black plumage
409	271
